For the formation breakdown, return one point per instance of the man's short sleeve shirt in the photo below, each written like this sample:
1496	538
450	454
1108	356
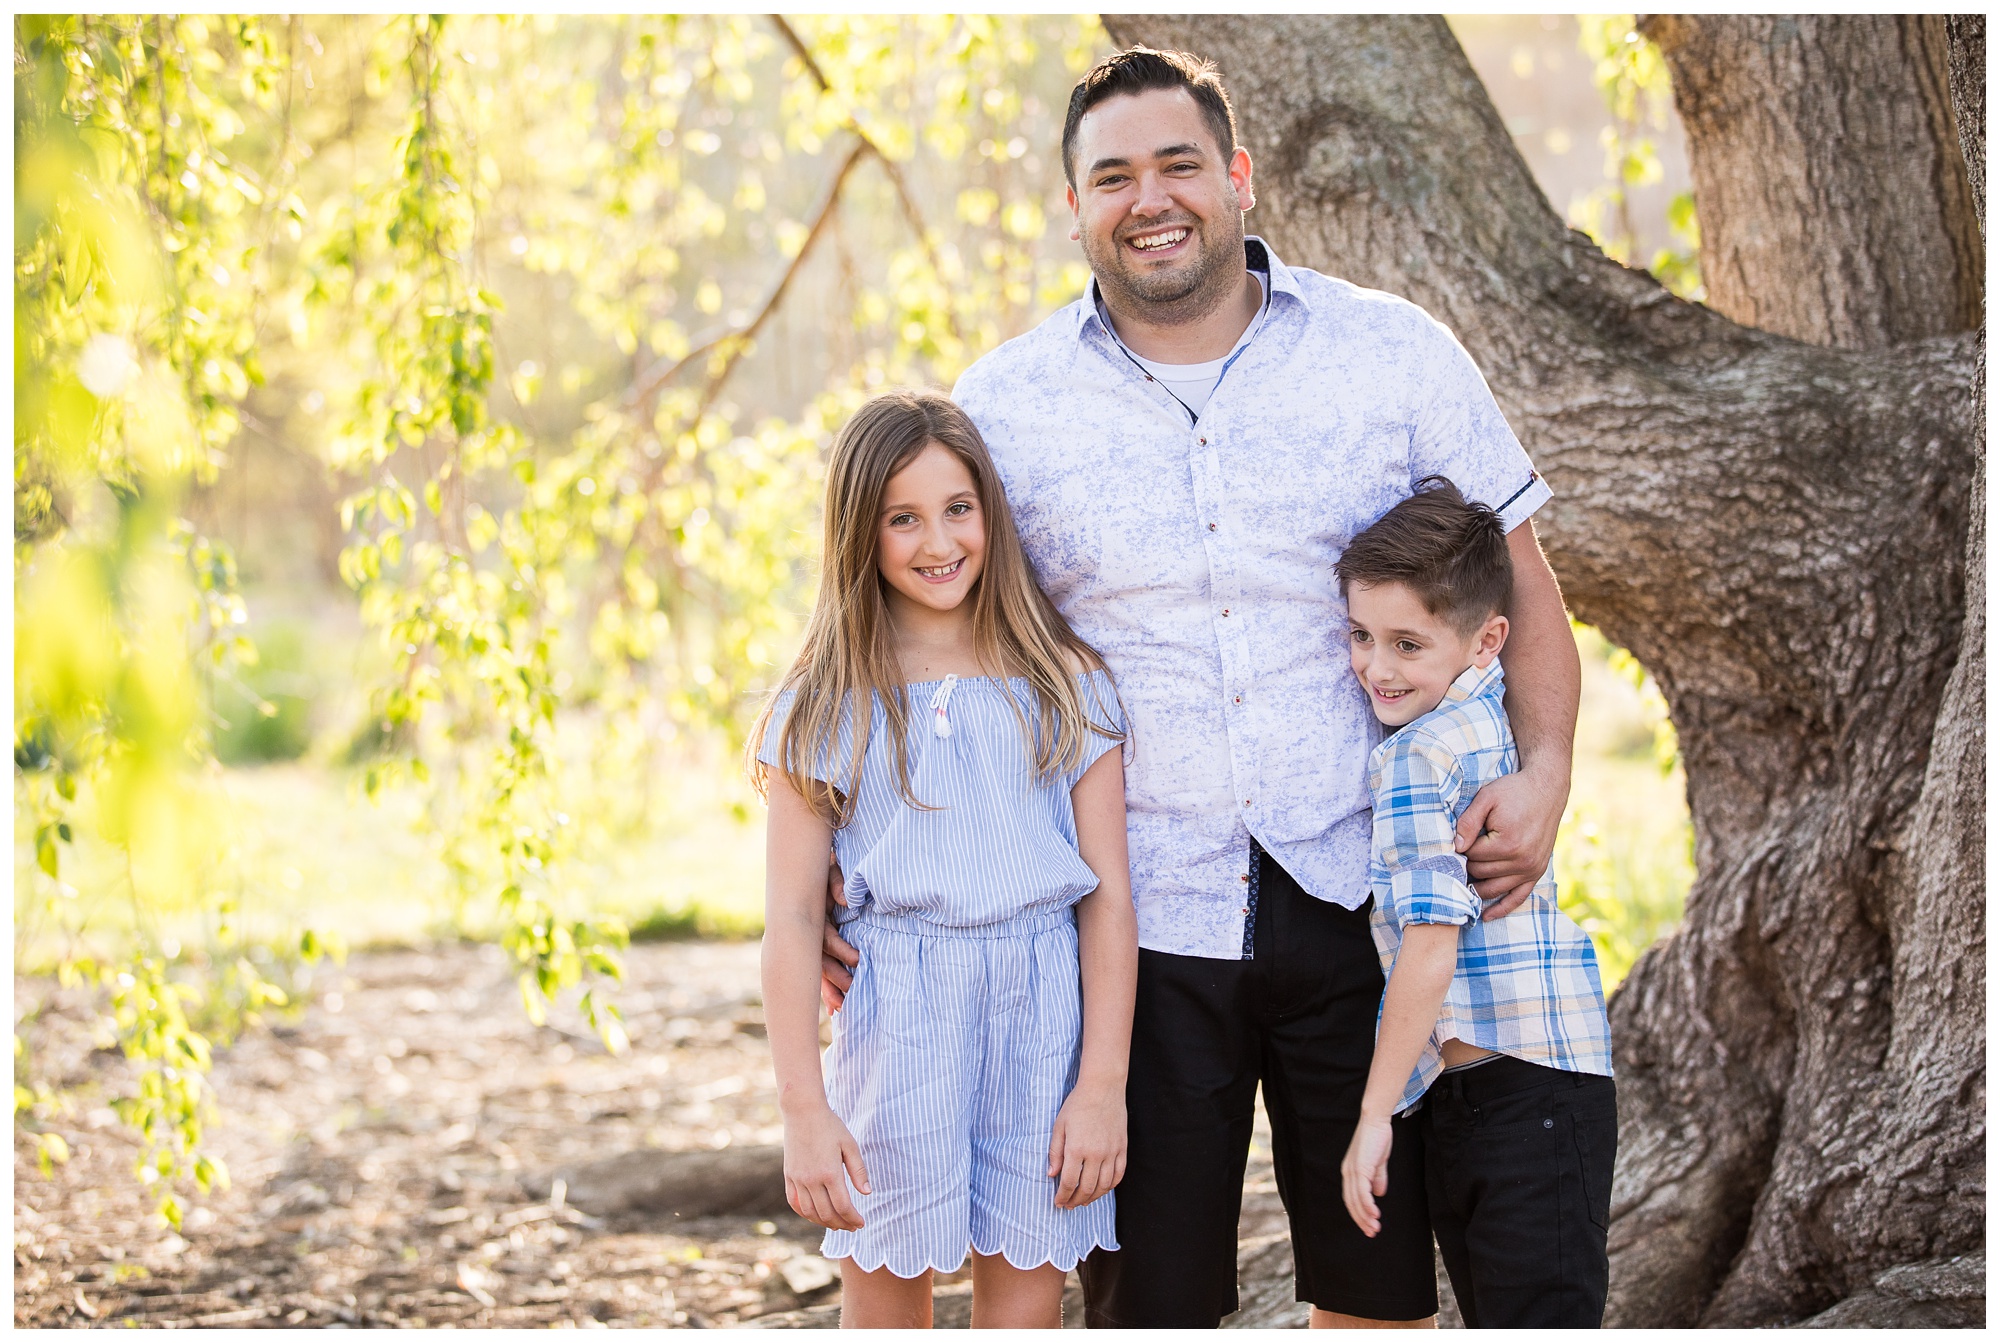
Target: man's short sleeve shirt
1197	556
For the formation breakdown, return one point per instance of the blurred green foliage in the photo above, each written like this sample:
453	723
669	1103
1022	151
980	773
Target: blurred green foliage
1625	853
263	712
311	230
1632	76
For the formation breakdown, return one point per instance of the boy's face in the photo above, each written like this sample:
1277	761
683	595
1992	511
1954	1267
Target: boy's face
1406	657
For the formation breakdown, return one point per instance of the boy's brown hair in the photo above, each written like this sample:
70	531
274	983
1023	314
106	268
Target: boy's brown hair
1450	552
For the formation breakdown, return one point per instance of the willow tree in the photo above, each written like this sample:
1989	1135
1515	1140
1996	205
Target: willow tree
1773	501
307	229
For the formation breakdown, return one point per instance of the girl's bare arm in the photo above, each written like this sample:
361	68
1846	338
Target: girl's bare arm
817	1145
1087	1153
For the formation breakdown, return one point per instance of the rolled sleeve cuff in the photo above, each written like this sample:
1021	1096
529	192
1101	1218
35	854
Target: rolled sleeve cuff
1518	509
1425	896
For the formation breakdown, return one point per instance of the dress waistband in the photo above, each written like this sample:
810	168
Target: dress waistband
1025	924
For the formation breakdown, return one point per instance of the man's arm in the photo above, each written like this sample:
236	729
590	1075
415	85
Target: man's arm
1508	834
837	956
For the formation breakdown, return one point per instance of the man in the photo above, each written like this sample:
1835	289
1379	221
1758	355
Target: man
1187	450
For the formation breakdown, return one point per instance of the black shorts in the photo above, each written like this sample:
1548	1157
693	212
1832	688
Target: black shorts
1518	1159
1300	1018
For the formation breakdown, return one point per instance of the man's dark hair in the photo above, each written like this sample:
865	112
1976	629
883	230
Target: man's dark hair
1451	553
1141	70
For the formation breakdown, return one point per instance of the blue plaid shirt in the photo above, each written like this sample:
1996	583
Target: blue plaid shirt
1526	985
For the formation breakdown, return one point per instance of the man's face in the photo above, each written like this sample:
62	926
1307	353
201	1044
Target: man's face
1159	210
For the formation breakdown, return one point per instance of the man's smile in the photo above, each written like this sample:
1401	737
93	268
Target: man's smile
1160	240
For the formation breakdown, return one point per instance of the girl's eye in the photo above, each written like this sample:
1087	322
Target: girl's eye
902	518
959	509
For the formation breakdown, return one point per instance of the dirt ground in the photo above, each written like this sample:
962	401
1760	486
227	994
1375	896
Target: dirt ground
378	1145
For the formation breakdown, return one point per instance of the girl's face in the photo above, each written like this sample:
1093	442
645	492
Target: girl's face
931	531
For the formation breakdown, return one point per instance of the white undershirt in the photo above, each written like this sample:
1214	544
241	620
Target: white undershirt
1193	384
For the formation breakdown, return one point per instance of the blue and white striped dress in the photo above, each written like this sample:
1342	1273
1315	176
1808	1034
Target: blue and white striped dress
961	1035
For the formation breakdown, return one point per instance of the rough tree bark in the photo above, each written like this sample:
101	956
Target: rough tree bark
1779	530
1833	198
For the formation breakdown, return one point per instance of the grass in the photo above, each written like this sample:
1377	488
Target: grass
301	847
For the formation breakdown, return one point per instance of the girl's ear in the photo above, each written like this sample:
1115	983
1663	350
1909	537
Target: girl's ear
1486	646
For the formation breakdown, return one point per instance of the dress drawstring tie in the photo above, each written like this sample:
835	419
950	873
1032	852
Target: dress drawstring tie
941	697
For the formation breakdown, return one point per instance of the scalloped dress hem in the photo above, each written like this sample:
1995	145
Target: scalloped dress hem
974	1248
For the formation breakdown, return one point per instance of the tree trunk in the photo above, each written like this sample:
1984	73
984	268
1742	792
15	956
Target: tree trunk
1778	530
1827	174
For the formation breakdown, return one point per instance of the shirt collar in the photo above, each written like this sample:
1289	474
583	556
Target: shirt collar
1474	682
1256	253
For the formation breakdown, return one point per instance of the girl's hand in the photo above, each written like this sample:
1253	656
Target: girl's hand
1365	1172
820	1157
1087	1150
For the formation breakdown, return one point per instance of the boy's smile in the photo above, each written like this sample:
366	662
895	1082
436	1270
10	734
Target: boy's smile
1406	657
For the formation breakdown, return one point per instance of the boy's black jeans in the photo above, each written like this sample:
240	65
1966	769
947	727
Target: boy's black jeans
1517	1164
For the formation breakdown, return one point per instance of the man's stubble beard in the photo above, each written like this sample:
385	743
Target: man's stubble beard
1175	298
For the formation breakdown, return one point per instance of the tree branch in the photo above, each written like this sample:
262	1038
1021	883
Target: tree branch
737	342
904	200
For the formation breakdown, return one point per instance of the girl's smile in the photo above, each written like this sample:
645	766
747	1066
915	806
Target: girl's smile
943	573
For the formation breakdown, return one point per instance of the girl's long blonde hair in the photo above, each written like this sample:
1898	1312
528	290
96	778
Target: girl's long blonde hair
849	658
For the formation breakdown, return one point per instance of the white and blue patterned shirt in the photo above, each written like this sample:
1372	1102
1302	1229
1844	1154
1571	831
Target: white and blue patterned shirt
1197	556
1525	985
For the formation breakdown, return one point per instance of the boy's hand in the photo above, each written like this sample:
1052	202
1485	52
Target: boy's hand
837	957
1087	1149
820	1157
1364	1173
1508	835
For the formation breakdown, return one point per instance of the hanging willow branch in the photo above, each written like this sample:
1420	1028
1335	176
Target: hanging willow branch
733	345
904	199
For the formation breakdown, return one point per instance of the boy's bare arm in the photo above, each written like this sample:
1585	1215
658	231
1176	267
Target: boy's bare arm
1410	1009
1520	813
1411	1006
1087	1153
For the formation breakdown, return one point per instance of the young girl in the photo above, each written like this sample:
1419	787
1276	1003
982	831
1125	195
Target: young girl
975	1088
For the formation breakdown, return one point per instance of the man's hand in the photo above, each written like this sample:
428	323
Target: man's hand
837	958
1508	835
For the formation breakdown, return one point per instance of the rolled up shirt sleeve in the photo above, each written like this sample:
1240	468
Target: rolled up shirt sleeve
1462	436
1415	835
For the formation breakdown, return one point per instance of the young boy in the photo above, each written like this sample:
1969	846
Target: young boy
1496	1029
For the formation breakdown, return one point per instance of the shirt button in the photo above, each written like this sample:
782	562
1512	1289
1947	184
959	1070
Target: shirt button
1548	1123
1211	526
1225	610
1244	877
1244	910
1246	801
1239	700
1204	441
